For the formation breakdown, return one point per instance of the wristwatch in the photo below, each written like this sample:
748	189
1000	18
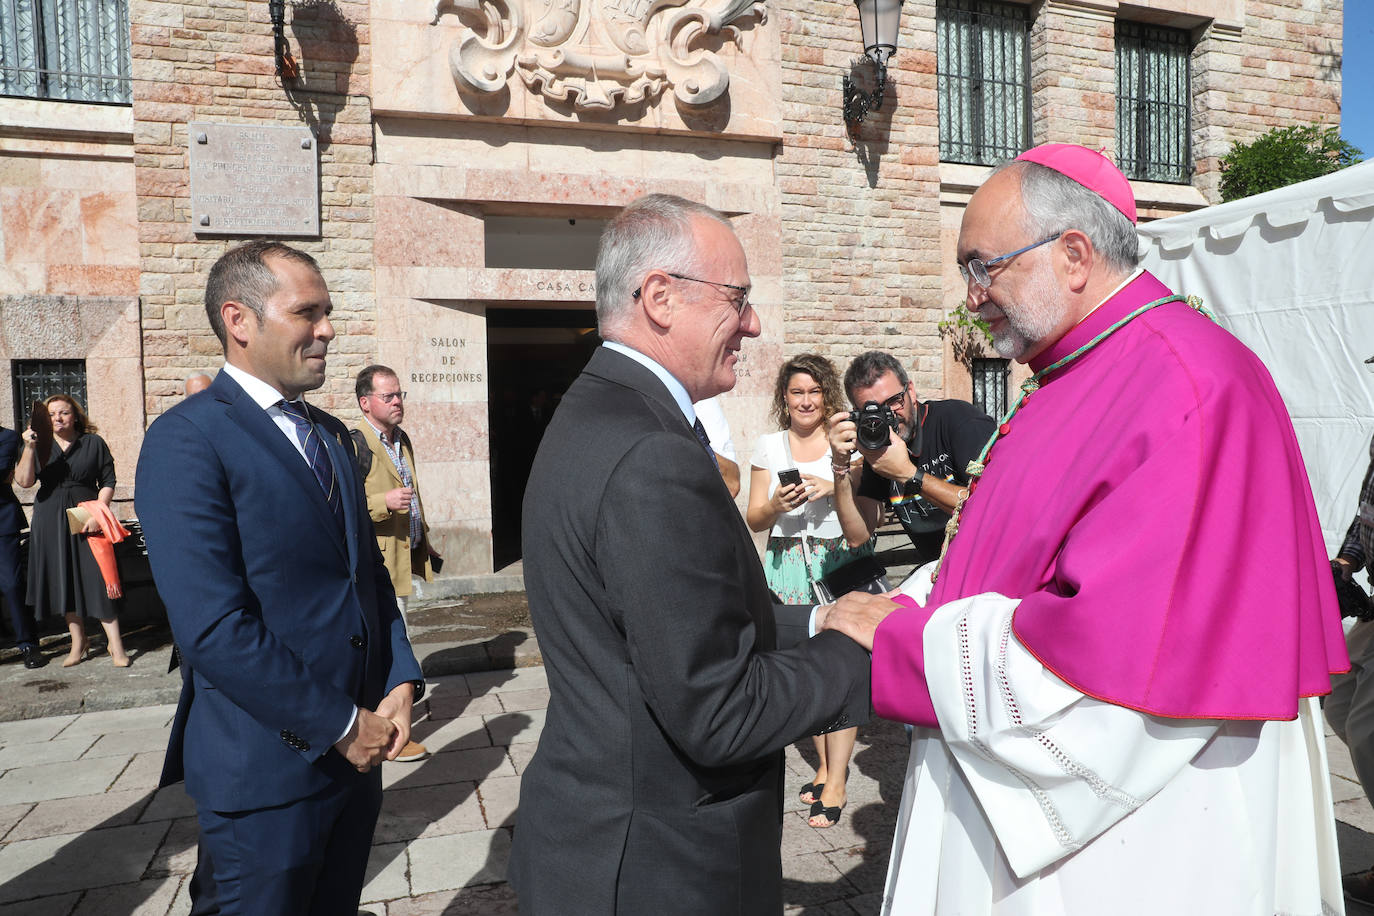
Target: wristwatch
913	484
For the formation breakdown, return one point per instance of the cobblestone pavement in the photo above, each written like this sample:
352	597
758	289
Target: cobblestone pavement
84	830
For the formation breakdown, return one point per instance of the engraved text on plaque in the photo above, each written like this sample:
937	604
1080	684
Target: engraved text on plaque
249	179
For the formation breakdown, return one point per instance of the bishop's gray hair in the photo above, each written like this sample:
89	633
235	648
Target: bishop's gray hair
1054	202
653	232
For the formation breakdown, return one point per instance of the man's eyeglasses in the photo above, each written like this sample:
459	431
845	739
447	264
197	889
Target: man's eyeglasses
740	305
977	269
391	397
897	400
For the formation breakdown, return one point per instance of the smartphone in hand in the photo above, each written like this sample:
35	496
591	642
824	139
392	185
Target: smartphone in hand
789	475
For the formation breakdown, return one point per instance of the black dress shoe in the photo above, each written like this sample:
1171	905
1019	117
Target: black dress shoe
33	658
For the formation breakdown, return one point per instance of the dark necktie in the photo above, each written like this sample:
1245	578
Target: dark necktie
316	454
705	441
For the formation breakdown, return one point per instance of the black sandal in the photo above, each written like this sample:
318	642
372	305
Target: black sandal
813	789
831	814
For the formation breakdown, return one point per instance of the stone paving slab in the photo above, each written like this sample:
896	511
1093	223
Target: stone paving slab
59	905
79	814
33	731
143	772
467	765
130	741
429	811
73	778
176	856
86	832
387	871
169	803
40	753
119	721
65	862
96	685
459	860
451	734
153	897
516	727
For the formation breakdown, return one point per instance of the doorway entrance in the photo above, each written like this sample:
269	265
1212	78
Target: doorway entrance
533	355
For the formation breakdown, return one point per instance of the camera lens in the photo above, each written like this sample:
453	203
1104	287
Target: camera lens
872	426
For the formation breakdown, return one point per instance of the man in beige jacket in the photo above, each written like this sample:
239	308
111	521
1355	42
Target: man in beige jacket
393	494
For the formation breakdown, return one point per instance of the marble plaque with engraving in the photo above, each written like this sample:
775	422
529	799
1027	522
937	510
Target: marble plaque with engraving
251	179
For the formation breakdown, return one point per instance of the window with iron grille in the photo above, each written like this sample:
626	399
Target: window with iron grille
37	379
1153	139
76	50
983	66
990	378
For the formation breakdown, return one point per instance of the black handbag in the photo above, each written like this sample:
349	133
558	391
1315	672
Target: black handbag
863	574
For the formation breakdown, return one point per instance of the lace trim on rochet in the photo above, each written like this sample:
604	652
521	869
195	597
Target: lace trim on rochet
1066	763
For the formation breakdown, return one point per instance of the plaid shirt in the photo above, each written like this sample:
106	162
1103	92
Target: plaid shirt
1358	546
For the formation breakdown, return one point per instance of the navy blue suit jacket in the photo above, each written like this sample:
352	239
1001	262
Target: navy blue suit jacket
12	519
284	622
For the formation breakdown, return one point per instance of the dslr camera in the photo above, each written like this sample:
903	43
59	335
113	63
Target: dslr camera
873	421
1351	598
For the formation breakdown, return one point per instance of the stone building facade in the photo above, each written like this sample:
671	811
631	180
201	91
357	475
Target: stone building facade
469	152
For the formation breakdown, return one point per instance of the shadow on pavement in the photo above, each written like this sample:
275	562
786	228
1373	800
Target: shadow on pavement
881	755
134	851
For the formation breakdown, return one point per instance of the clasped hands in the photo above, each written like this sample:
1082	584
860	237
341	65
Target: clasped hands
380	735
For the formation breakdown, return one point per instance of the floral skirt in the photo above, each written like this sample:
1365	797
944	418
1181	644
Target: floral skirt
784	564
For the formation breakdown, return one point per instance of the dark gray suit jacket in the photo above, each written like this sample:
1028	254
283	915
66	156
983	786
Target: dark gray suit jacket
657	784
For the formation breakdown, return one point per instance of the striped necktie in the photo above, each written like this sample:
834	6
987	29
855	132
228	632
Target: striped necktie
705	441
316	454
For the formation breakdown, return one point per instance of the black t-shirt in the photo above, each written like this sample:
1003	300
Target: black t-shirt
952	433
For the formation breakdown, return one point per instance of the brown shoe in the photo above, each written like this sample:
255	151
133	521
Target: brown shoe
1359	886
412	752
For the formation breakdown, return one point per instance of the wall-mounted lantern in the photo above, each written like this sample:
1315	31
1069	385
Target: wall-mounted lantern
879	21
286	64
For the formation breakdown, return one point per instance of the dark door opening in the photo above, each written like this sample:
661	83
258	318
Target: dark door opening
533	355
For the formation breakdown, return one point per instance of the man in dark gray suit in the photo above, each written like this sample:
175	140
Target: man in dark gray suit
657	784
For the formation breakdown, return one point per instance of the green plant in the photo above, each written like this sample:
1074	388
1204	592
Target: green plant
1284	156
966	333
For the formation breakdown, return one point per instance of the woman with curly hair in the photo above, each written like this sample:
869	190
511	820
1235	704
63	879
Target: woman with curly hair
63	574
805	539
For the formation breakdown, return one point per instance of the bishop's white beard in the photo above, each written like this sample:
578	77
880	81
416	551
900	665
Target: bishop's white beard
1032	318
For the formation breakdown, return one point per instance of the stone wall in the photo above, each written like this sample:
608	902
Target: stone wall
426	133
1281	67
870	223
861	256
69	262
214	61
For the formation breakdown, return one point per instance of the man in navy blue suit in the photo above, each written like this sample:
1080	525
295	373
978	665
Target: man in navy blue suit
300	677
11	523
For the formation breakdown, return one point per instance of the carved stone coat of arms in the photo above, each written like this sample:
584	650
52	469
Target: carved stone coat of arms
597	54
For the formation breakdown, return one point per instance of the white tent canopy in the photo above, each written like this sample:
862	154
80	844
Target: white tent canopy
1291	273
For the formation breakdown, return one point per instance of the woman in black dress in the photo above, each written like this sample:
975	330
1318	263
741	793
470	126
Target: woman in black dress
63	575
